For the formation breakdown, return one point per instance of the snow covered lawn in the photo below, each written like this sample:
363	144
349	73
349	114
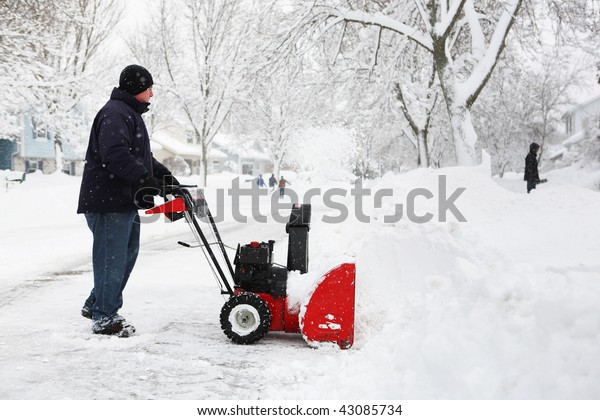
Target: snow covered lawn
503	306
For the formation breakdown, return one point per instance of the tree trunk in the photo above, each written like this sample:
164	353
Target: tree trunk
204	165
463	132
276	167
464	135
422	150
58	154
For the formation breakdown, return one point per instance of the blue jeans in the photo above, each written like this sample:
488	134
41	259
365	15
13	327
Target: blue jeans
115	250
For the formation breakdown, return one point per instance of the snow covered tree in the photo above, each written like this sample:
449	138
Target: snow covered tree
382	77
574	22
465	39
419	128
277	108
549	87
501	116
55	59
399	80
525	103
21	34
284	100
208	59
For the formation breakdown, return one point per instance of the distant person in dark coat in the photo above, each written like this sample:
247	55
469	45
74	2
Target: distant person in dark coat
260	181
120	176
272	182
531	168
282	184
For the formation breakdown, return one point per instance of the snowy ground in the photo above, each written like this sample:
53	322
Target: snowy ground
503	306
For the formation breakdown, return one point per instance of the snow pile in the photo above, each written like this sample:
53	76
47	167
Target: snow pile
503	305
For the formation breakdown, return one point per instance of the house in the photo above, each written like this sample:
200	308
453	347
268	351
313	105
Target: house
578	123
246	158
167	144
36	150
224	154
582	116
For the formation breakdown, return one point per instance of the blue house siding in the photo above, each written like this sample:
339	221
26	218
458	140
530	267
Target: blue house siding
37	143
37	150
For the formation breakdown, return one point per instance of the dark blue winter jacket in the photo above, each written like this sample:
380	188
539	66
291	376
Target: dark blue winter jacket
118	156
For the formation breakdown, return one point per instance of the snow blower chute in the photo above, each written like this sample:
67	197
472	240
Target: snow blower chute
257	287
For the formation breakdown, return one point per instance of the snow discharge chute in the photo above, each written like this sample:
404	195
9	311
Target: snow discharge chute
257	288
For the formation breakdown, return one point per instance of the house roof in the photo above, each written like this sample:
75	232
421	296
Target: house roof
583	105
575	138
167	142
244	150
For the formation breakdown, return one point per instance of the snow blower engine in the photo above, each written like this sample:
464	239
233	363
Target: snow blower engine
258	301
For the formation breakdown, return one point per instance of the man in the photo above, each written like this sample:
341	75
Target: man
260	182
120	176
272	182
282	183
531	168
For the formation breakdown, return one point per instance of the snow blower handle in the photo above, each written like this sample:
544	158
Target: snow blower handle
181	190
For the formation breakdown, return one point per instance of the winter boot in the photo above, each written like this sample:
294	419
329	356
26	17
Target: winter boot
114	325
86	312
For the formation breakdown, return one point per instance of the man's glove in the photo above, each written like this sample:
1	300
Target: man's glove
170	180
152	186
171	184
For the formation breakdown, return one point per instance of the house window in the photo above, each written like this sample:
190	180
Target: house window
39	131
247	169
33	165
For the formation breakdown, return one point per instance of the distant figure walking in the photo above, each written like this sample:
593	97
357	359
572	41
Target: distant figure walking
272	182
260	181
531	168
282	184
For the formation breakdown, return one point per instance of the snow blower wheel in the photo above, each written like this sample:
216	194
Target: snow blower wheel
245	318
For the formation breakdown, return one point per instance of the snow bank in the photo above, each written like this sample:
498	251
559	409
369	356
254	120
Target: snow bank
500	306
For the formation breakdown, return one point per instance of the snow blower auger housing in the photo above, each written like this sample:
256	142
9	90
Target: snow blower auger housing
257	287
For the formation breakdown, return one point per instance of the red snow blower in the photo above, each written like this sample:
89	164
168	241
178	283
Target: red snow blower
257	287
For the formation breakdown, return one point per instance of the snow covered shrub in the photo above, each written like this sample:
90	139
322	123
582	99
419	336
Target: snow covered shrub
178	166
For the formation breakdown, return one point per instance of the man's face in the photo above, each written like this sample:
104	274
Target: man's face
145	95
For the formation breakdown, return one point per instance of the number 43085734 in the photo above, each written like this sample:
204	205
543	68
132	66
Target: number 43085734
370	410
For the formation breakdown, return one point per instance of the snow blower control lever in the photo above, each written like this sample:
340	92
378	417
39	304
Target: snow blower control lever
258	301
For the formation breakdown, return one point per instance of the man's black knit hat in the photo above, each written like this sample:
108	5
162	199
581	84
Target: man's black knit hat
135	79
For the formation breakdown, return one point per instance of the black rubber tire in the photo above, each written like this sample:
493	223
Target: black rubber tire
251	318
